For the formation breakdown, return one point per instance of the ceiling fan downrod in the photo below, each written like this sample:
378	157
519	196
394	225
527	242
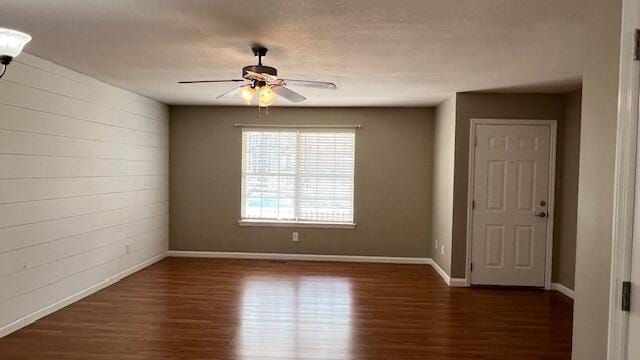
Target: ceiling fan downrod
259	51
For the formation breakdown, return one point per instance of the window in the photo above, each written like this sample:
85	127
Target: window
297	176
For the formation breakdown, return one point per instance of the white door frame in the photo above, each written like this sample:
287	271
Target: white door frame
625	180
553	126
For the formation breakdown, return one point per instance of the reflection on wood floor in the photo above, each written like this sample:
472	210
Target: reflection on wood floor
187	308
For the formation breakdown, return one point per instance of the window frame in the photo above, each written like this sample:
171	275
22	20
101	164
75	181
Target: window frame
295	223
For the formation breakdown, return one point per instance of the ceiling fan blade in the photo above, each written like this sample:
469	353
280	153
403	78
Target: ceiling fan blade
231	92
288	94
313	84
209	81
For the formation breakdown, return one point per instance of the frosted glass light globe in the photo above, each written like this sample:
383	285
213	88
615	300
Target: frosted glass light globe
247	94
12	42
267	96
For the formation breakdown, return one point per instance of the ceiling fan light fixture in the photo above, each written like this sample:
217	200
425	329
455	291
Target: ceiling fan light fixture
267	96
247	93
264	80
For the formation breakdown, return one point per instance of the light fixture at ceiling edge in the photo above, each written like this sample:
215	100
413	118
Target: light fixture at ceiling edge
11	44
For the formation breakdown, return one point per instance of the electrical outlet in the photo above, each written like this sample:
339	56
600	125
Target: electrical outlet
442	250
127	248
294	237
436	244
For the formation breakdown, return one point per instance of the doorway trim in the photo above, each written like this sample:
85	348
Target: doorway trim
624	192
553	126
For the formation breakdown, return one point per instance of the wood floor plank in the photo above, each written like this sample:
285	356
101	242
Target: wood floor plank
189	308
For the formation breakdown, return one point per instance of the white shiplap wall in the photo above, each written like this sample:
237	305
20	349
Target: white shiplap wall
83	187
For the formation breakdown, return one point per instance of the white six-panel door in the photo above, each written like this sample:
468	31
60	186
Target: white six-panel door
510	205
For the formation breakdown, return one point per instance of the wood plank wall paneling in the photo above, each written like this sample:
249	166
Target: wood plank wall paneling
83	184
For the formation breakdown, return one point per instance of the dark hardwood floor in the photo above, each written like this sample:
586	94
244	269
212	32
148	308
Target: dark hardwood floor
193	308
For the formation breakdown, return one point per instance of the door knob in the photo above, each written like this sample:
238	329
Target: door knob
541	214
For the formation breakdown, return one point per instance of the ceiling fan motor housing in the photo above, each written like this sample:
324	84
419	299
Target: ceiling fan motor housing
260	69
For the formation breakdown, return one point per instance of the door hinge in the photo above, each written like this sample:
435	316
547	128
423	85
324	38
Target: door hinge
626	296
636	46
471	269
473	205
475	141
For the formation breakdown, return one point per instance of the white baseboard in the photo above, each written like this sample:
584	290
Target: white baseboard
458	282
26	320
563	290
299	257
455	282
452	282
443	274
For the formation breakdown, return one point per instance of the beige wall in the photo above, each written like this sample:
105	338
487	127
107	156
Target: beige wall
566	209
500	106
84	187
443	167
392	185
595	190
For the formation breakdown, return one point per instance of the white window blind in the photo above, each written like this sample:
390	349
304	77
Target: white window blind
298	175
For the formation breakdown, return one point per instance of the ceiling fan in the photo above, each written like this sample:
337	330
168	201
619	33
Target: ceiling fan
264	80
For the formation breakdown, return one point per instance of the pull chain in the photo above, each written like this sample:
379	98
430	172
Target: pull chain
266	111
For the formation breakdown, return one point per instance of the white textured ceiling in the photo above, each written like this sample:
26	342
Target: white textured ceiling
379	52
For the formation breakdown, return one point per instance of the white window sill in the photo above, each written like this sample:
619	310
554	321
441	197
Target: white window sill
297	224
